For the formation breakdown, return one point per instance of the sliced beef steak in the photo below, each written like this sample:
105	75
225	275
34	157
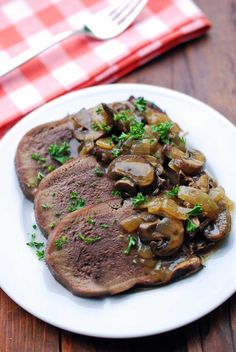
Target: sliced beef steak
85	253
33	160
79	182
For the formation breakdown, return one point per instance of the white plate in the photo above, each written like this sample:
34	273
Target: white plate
27	280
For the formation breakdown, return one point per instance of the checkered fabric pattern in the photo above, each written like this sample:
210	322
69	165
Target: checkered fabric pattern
79	61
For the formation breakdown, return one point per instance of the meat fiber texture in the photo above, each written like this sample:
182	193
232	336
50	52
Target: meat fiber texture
52	201
101	267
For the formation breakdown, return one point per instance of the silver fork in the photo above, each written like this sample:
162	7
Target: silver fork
105	24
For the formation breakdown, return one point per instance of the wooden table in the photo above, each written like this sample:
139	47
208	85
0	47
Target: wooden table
205	69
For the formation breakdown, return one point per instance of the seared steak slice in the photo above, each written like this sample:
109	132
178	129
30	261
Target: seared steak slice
35	144
79	182
85	253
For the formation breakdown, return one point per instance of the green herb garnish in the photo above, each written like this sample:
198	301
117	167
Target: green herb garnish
99	111
75	202
197	210
115	152
45	206
191	227
61	241
39	158
60	153
138	200
33	243
123	115
52	225
101	126
98	172
88	240
40	254
51	168
105	226
182	140
163	130
116	193
40	176
90	221
131	244
34	226
137	130
140	104
173	192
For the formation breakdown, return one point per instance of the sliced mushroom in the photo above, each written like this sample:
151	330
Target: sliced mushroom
147	231
127	186
137	168
190	164
201	182
87	124
220	228
186	268
169	236
113	109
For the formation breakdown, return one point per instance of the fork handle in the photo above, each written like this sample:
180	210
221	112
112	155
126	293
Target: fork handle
30	53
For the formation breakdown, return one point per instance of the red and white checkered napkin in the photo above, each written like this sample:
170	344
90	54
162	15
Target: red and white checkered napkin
79	61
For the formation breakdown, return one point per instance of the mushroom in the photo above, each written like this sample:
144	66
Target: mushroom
168	236
127	186
147	231
137	168
220	228
190	164
122	125
87	124
186	268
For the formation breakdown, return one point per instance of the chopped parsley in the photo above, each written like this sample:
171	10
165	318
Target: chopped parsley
98	172
90	221
40	254
137	130
51	168
53	194
75	202
116	193
45	206
105	226
89	240
197	210
123	115
138	200
131	244
101	126
34	226
163	130
191	227
173	192
61	241
99	111
115	152
39	158
52	225
182	140
140	104
33	243
40	176
60	153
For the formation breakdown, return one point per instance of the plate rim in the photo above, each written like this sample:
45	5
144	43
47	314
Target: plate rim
100	89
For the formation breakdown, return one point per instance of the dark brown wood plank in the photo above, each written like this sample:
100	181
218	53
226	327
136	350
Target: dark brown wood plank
21	332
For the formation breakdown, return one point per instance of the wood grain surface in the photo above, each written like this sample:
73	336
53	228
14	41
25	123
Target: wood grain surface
205	69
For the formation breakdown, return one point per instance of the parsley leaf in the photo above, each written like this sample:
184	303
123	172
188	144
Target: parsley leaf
45	206
40	254
182	140
88	240
61	241
116	193
115	152
173	192
75	202
137	130
33	243
140	104
101	126
131	244
191	226
39	158
197	210
40	176
90	221
99	111
123	115
105	226
138	200
98	172
163	130
60	153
